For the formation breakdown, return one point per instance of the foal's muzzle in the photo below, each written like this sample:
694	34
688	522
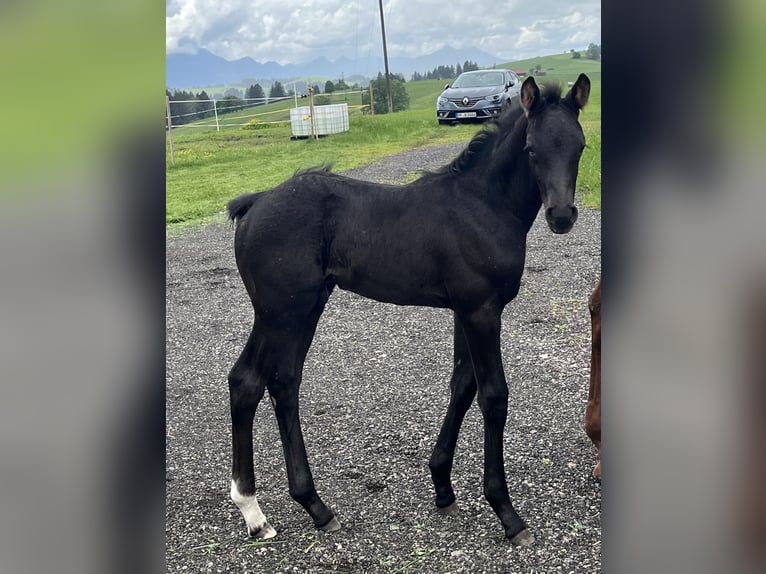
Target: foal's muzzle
561	219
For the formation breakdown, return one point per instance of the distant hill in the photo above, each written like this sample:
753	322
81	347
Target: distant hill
558	66
206	69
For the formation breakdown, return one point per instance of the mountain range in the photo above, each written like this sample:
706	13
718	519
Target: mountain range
202	69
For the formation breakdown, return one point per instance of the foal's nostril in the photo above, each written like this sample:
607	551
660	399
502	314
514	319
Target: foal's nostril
549	213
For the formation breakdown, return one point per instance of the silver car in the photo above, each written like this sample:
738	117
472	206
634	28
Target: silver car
478	95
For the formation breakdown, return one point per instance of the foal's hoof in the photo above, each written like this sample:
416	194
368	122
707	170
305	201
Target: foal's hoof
263	533
449	510
332	526
523	538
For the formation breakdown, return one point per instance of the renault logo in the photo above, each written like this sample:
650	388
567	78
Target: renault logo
466	101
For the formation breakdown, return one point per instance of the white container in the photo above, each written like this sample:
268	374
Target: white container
330	119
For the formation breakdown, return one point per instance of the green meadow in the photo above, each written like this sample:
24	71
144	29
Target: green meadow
211	167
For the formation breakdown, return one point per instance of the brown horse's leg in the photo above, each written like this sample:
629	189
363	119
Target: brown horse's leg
246	389
593	408
482	333
462	393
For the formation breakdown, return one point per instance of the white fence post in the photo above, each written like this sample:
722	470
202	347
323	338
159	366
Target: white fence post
215	110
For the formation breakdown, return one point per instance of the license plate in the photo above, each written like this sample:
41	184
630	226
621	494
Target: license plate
461	115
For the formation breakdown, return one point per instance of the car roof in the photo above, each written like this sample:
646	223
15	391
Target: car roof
483	71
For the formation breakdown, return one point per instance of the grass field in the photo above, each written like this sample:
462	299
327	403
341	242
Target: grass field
559	67
212	167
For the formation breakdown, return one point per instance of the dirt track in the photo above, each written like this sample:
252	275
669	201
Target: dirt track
374	393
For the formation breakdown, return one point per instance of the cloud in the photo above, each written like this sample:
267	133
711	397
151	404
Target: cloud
573	30
292	31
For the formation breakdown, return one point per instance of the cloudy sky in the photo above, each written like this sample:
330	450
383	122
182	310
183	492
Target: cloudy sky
296	31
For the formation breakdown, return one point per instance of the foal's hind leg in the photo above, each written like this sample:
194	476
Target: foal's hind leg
273	358
462	393
283	386
246	389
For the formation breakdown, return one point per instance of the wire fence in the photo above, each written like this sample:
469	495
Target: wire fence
242	112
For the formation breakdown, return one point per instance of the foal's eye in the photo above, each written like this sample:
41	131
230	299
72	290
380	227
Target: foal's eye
529	150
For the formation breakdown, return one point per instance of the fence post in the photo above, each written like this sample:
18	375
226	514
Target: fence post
170	130
215	111
311	114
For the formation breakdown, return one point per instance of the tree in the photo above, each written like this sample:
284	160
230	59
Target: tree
444	72
183	109
399	98
277	90
229	103
575	54
329	87
341	85
593	52
255	92
205	106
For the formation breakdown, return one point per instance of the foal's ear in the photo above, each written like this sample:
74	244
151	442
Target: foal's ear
530	95
580	92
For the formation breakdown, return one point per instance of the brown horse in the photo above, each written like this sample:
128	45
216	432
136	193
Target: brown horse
593	409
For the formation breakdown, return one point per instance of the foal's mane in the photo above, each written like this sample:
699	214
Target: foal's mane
495	132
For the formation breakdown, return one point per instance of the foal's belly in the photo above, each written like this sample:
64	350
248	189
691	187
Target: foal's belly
400	288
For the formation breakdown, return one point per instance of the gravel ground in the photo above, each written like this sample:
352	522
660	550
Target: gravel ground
374	393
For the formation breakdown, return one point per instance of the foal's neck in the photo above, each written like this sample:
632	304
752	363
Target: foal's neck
509	178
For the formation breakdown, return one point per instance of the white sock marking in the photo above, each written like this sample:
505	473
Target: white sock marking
250	509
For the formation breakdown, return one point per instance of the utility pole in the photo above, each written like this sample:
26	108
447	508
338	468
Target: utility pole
385	61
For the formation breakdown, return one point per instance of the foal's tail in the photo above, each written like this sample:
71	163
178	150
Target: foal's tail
239	206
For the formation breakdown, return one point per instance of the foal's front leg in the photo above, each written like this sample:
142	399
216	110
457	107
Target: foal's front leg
482	333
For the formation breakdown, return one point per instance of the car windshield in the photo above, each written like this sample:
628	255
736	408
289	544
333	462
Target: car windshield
482	80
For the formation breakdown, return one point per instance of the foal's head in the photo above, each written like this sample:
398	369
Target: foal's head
554	144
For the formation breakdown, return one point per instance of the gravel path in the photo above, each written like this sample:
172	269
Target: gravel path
374	393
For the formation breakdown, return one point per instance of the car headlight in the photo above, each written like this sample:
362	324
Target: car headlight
442	101
494	97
